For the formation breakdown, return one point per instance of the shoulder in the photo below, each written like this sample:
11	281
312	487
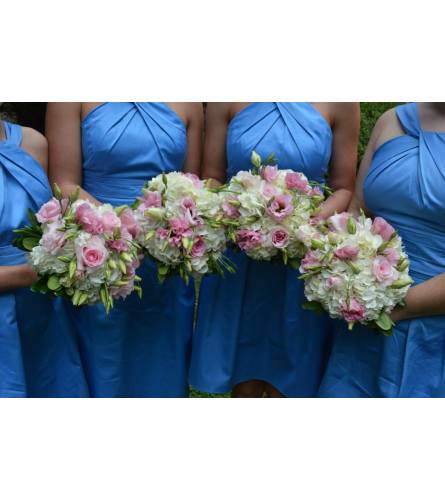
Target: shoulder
343	111
36	145
386	127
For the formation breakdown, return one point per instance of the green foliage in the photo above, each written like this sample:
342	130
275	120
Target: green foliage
370	113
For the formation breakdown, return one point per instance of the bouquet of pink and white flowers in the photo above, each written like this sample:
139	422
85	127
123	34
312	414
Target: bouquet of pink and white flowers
181	226
356	270
264	208
83	252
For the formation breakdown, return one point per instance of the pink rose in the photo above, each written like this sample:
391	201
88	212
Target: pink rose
355	311
381	227
309	261
392	255
248	239
197	182
53	239
294	180
110	221
339	222
269	190
269	173
89	220
346	253
129	222
229	209
151	199
333	282
280	207
92	254
384	271
280	238
49	211
199	247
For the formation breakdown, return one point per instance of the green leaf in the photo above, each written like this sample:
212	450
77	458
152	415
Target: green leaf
30	243
313	306
53	283
270	160
384	322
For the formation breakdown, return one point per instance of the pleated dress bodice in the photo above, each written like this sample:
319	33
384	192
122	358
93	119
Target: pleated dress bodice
405	184
251	324
125	144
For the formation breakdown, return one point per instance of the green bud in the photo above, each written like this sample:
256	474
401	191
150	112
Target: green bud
112	264
76	297
351	226
317	244
402	283
255	159
122	267
57	192
72	269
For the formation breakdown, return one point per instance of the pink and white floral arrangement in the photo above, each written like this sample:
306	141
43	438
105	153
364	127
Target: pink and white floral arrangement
181	228
355	269
264	208
81	251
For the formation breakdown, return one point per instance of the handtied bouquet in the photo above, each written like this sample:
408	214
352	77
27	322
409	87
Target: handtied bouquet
181	228
264	208
83	252
356	270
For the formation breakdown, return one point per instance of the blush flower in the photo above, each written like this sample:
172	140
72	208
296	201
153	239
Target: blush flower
248	239
346	252
355	311
280	238
383	271
269	173
49	211
294	180
383	228
280	207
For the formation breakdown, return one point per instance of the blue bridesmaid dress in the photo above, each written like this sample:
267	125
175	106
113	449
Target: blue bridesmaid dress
37	350
405	184
142	348
251	324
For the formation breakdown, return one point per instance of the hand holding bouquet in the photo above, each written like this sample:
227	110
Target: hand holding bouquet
83	252
181	226
264	208
356	270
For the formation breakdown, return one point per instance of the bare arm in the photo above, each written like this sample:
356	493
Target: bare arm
343	165
215	161
426	299
194	139
63	122
12	277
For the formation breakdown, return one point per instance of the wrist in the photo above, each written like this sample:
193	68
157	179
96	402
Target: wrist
27	276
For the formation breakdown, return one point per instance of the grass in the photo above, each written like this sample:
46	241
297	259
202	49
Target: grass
370	112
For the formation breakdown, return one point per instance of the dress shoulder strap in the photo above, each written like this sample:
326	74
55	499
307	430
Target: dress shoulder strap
409	118
13	133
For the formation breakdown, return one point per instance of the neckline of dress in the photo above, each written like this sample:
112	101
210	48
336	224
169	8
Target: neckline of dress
169	109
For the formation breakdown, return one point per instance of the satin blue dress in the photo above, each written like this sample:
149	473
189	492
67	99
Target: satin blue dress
251	325
142	348
38	357
405	184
